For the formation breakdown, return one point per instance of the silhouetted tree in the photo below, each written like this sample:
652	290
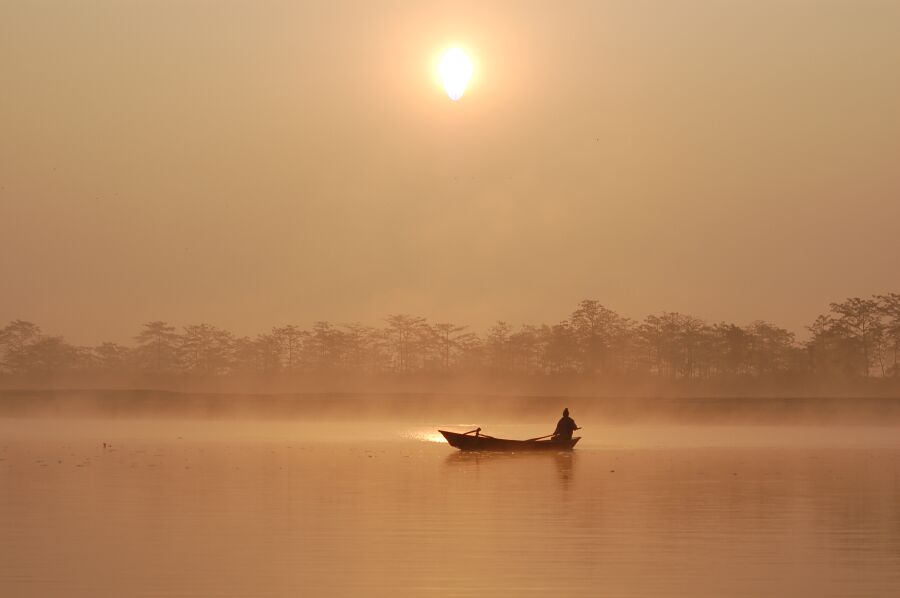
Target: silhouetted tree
250	355
861	319
322	346
49	355
681	343
771	348
732	349
450	338
111	357
561	349
268	353
858	337
889	306
471	352
405	331
650	338
15	338
830	349
600	334
157	347
205	349
358	343
692	334
290	340
526	348
497	344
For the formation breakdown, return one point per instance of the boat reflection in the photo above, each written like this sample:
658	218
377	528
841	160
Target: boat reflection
512	463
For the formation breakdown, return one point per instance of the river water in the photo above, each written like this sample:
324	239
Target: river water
229	508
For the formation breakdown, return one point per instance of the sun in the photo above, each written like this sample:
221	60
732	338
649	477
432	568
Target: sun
456	70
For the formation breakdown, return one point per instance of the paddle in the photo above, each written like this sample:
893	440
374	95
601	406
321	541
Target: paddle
479	434
542	437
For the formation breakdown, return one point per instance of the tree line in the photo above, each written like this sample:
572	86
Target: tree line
857	338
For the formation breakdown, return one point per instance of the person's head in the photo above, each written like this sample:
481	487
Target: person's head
566	412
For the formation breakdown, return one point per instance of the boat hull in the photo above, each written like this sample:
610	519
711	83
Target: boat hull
470	442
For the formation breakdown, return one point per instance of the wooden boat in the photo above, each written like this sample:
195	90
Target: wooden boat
480	442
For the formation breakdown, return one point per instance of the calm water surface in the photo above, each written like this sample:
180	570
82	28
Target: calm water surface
174	508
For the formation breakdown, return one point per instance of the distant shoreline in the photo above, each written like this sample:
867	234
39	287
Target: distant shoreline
136	403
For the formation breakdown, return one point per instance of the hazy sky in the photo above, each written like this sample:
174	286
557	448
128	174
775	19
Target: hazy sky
255	163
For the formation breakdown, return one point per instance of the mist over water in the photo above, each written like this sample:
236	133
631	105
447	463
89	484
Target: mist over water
376	505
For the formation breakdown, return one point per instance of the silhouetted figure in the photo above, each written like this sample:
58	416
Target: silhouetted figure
565	427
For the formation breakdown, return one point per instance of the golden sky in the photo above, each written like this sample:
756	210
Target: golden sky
255	163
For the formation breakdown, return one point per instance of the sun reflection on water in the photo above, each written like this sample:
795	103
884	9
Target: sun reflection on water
431	434
430	437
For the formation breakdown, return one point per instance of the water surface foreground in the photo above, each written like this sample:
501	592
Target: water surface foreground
244	508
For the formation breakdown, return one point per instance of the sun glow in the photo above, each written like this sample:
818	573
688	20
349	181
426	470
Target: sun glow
456	71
